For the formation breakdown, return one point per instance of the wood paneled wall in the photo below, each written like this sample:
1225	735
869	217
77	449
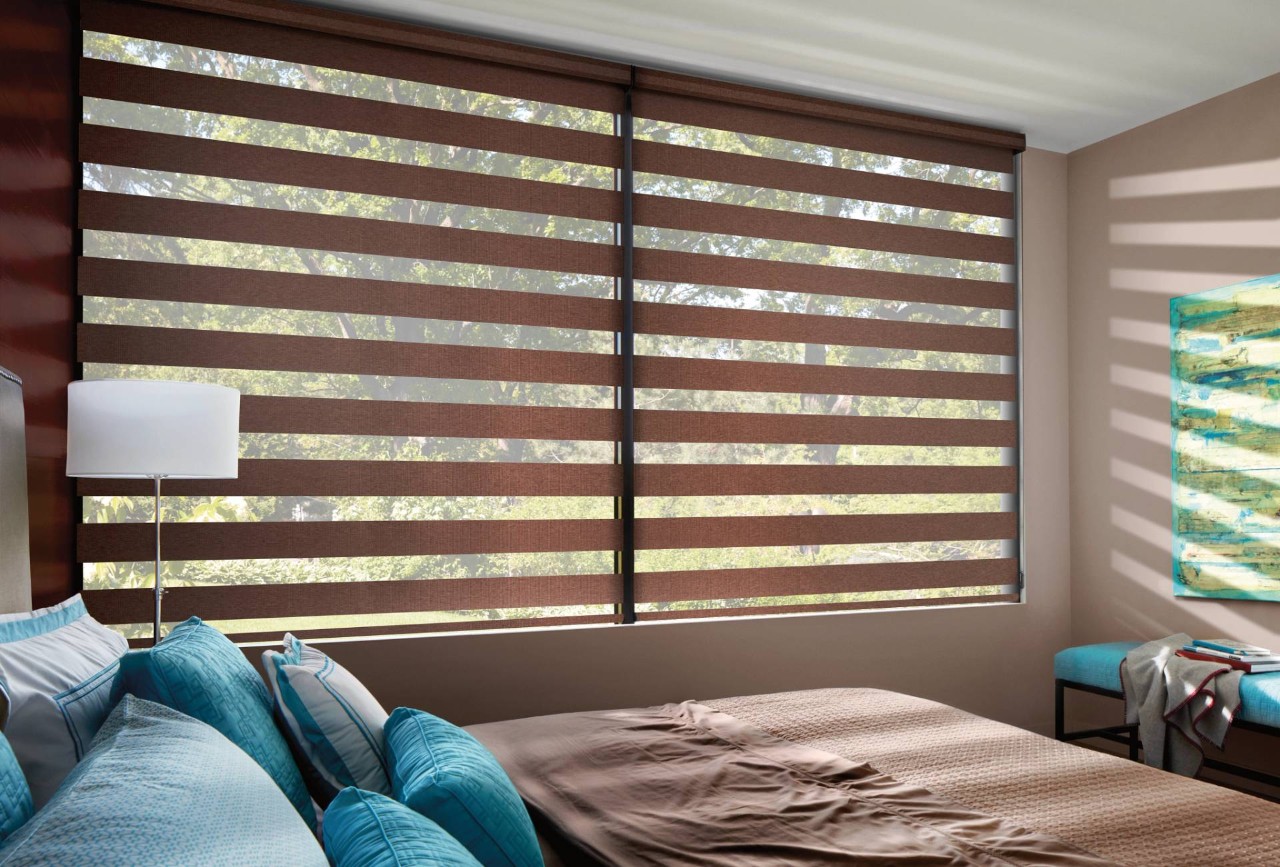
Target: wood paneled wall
37	296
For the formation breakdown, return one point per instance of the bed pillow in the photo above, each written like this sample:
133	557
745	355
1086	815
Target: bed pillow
198	671
46	657
448	776
15	796
365	829
158	787
334	722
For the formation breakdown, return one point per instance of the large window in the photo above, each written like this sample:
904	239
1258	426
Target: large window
527	339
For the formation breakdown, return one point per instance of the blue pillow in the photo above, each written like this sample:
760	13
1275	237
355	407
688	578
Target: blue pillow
198	671
158	787
365	829
15	796
448	776
333	721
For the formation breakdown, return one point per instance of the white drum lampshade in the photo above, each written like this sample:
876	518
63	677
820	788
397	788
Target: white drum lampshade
150	429
145	429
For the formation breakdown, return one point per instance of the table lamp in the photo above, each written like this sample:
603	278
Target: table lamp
149	429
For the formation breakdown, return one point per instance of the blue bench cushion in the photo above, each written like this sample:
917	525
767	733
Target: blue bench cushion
1099	665
1260	699
1093	664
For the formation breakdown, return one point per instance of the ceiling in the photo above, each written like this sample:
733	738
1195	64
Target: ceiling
1065	73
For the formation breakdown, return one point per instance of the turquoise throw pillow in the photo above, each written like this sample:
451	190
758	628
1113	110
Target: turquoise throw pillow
158	787
365	829
198	671
15	796
448	776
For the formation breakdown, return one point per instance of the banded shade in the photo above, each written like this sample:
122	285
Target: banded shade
825	361
406	260
411	251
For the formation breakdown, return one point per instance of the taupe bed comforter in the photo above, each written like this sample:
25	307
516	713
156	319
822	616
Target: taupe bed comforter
1120	810
950	787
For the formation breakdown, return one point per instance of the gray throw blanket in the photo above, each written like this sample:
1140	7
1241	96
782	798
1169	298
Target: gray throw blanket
1163	690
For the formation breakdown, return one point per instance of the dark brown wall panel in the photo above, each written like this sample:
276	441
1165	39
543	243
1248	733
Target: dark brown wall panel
37	306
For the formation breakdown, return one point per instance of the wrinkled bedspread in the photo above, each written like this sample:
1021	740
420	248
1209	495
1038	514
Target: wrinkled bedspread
690	785
1117	809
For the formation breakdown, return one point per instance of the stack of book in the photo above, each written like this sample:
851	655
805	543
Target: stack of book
1249	658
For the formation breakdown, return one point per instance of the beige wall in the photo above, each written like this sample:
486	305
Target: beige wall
1150	218
994	660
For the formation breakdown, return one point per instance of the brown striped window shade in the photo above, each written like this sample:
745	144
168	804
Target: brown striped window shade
418	255
825	366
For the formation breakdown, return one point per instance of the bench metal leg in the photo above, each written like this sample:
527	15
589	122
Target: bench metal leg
1128	736
1059	709
1125	735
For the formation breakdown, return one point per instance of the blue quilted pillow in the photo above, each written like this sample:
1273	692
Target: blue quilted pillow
15	796
158	787
365	829
448	776
198	671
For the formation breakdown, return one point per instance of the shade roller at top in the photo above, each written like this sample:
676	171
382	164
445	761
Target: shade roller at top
404	246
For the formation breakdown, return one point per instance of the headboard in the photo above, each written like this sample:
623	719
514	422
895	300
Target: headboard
15	545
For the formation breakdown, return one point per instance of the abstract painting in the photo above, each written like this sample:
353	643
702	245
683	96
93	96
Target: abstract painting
1226	441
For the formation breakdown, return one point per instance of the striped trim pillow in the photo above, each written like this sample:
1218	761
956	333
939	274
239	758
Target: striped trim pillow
333	721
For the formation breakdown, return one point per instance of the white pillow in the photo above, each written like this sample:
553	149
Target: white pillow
57	668
334	722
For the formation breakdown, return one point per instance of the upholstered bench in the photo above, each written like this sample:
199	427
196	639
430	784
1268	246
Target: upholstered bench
1095	668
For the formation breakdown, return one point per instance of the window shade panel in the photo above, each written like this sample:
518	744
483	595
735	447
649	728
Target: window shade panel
334	51
658	480
809	292
766	607
158	281
712	269
694	110
304	539
150	215
691	426
699	321
161	87
408	265
705	164
715	584
189	155
395	418
362	597
266	477
697	216
128	344
696	373
527	339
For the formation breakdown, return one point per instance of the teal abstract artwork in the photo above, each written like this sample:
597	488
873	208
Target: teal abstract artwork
1226	441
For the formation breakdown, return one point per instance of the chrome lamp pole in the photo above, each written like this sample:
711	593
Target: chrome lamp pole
159	588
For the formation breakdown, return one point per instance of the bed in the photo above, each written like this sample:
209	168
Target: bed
1081	807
